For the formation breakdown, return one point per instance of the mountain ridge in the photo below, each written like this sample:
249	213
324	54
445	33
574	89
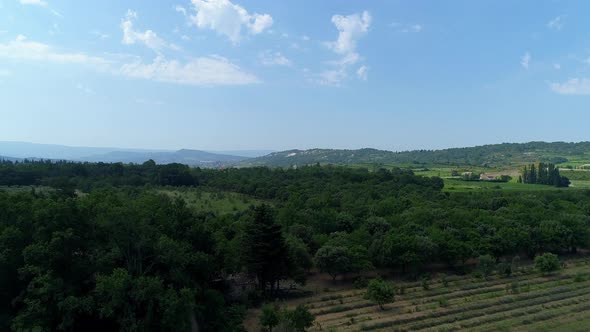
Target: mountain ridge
503	154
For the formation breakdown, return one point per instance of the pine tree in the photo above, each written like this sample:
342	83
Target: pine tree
265	248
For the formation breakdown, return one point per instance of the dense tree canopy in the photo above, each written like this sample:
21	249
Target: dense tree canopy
104	250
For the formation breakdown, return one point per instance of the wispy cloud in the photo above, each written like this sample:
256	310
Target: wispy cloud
180	9
34	2
573	86
85	89
228	19
40	3
525	60
269	58
406	28
556	23
202	71
22	49
363	72
99	34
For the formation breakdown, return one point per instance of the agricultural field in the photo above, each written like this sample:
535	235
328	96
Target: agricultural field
576	161
220	202
526	301
580	179
458	185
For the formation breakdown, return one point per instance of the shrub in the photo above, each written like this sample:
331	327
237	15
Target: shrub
380	292
547	263
505	268
486	265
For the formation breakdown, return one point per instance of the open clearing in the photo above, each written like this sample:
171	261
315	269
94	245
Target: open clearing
220	202
526	301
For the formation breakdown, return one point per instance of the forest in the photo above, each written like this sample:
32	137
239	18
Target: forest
101	249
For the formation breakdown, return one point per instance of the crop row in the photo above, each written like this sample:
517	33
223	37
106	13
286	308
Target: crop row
530	308
464	311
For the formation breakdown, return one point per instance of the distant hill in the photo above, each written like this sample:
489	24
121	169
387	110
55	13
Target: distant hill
493	155
4	158
24	150
188	157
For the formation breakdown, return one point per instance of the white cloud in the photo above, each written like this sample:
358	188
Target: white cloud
306	38
557	66
228	19
351	28
180	9
33	2
525	60
556	23
130	36
22	49
332	77
574	86
185	37
203	71
269	58
363	73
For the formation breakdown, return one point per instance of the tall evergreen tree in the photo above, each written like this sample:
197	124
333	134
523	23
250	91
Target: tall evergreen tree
265	248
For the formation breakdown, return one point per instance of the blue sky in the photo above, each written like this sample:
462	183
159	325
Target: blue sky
244	74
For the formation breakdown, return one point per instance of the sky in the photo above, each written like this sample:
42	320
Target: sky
245	74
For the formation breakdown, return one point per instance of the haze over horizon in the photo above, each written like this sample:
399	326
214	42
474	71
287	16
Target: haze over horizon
252	152
221	75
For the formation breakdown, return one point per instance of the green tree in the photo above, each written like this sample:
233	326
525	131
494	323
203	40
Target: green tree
270	316
333	260
547	263
299	319
267	255
380	292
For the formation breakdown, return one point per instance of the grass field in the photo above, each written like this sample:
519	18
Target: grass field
458	185
526	301
217	201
